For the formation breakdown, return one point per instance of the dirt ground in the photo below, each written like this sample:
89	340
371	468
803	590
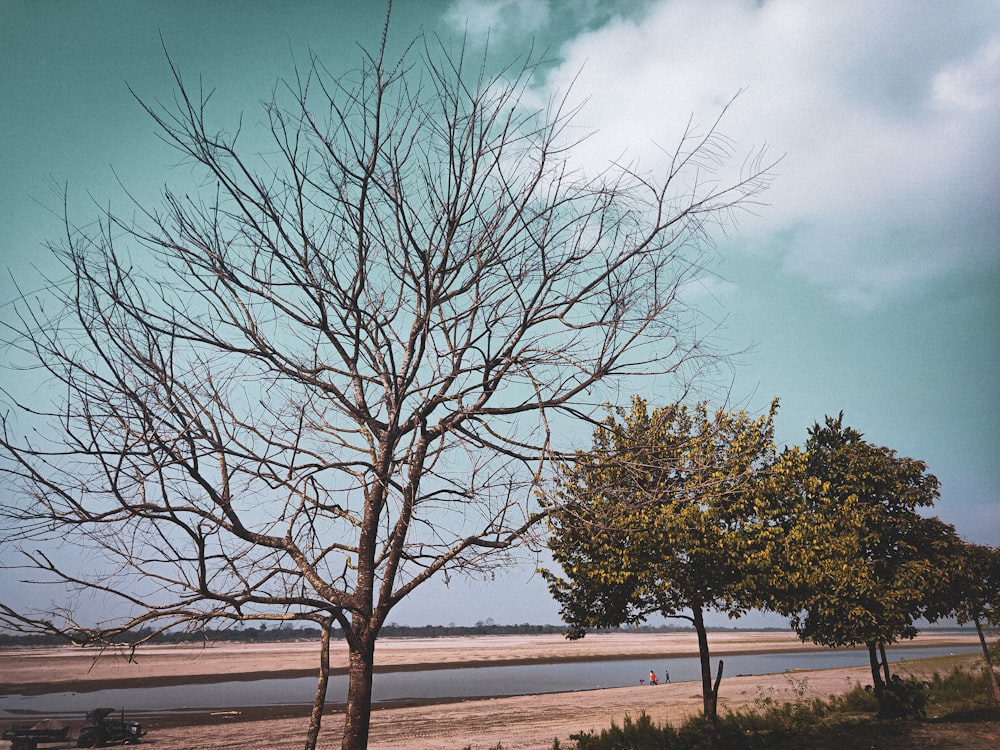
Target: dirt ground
519	723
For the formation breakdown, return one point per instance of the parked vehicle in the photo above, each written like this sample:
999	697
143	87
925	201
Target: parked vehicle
29	738
100	730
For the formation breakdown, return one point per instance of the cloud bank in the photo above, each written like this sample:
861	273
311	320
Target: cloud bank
888	116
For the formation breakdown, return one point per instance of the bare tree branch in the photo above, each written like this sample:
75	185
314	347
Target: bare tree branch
341	365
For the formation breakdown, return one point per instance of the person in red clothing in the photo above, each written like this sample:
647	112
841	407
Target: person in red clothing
652	677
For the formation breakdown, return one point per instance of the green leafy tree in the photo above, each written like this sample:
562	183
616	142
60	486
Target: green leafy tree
979	598
662	515
863	565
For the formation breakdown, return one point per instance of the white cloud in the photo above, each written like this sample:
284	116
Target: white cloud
973	84
497	19
888	114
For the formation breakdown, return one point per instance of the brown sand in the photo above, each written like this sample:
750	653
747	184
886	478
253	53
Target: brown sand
526	722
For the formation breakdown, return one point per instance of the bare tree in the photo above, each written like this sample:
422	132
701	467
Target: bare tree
333	371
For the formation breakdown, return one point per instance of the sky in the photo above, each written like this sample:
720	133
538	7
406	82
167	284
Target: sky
869	283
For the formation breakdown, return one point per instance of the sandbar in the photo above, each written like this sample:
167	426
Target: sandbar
519	723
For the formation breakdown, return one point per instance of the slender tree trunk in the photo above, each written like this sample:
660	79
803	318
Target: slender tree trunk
319	701
715	687
361	663
708	694
995	689
876	673
885	662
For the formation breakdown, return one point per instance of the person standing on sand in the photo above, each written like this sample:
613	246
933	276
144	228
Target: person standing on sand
652	677
666	675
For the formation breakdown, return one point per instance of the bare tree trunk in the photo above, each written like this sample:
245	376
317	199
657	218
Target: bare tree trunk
319	701
885	662
361	665
877	683
715	687
708	694
994	688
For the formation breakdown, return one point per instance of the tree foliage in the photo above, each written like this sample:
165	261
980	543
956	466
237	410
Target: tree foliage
863	565
980	594
331	372
663	515
978	598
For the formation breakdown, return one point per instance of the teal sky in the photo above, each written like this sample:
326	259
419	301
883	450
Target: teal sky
870	283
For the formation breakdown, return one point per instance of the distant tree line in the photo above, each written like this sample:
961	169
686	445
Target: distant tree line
392	630
264	634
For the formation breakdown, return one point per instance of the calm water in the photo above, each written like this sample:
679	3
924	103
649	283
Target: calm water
443	683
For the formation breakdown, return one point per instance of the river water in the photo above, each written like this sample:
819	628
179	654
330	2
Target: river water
439	683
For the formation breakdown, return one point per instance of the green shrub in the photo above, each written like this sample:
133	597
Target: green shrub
856	700
641	734
783	717
902	699
960	687
748	729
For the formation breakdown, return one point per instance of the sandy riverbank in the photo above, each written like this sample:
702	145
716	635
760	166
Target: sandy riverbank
527	722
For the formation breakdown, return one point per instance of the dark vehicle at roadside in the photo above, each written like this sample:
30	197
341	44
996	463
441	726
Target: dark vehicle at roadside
29	738
100	730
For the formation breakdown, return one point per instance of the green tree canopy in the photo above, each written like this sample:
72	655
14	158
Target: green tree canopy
979	597
863	563
662	515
